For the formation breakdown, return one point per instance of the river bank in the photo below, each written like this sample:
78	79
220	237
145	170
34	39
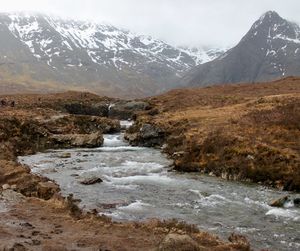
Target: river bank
246	132
137	184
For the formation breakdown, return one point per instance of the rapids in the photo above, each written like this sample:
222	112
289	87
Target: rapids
137	185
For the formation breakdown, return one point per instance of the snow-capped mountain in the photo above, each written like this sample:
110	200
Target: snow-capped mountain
102	57
270	50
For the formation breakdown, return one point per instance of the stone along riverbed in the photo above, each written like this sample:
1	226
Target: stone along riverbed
137	186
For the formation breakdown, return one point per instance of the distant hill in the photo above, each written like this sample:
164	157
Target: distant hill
270	50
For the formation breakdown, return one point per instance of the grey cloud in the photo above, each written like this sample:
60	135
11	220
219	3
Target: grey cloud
180	22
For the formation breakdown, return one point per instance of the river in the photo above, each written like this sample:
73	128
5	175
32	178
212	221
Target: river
137	185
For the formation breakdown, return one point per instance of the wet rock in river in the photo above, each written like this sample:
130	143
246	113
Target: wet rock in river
297	202
91	181
65	155
77	168
112	205
280	202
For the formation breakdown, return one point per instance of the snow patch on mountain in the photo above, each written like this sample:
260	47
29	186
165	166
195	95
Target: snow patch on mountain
202	56
51	39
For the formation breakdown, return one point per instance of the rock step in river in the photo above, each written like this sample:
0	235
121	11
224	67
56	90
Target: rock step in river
137	186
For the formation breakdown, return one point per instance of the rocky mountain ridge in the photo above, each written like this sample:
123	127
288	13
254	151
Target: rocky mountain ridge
97	57
270	50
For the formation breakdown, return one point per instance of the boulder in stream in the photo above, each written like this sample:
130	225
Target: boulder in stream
65	155
297	202
280	202
91	181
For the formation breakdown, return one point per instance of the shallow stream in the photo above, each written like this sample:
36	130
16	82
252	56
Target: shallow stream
137	186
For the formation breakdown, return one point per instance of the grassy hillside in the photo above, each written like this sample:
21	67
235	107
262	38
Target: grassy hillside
242	132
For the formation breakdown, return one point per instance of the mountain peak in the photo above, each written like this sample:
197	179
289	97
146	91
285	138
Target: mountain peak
269	19
272	26
270	50
270	15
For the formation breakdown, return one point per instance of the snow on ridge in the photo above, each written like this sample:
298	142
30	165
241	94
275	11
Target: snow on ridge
202	56
25	32
146	40
104	44
282	35
286	38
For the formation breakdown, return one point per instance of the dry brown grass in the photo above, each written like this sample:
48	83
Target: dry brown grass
245	132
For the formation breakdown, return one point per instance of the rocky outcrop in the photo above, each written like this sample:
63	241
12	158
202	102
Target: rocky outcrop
147	135
26	131
125	110
98	109
76	140
122	109
24	135
19	178
81	124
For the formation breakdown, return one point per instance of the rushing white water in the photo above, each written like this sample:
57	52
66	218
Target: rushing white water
137	186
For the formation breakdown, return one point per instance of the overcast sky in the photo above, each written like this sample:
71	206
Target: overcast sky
180	22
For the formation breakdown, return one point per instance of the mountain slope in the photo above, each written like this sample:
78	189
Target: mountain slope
270	50
99	58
